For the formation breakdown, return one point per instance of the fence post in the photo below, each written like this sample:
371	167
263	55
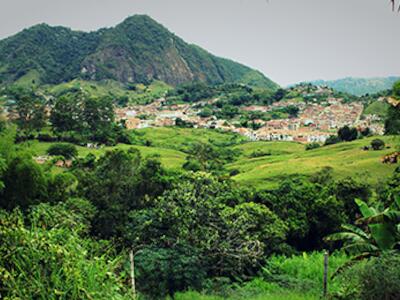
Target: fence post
326	255
132	273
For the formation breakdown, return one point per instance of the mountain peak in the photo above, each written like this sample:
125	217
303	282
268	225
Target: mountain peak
137	50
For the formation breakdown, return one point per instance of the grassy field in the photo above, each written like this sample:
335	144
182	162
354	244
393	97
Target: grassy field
181	138
378	108
346	159
169	158
284	159
140	94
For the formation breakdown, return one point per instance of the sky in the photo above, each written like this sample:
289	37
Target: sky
288	40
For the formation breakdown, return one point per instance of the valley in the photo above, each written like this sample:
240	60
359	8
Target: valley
135	165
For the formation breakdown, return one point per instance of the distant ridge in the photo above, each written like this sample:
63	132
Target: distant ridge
360	86
137	50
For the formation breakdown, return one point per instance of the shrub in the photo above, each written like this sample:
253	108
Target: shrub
377	144
43	256
234	172
302	272
45	137
347	134
380	278
25	183
259	153
162	272
68	151
312	146
333	139
374	279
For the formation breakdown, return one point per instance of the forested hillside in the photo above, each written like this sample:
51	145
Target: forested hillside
359	86
139	50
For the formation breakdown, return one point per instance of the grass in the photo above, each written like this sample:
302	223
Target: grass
298	277
288	295
346	159
182	138
169	158
286	158
141	95
30	79
378	108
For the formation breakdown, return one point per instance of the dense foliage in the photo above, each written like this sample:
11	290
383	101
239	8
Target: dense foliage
66	231
45	253
137	50
67	151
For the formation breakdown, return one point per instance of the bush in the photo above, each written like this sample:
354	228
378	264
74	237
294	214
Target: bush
234	172
43	256
45	137
25	183
68	151
377	144
333	139
259	153
302	272
347	134
162	272
312	146
380	278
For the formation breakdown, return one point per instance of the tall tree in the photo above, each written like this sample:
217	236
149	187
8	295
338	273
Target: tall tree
29	109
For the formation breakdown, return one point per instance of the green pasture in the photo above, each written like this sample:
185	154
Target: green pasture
286	159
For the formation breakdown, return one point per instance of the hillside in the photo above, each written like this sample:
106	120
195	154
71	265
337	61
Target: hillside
138	50
282	159
287	159
360	86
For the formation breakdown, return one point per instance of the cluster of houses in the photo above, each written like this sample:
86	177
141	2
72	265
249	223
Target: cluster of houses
315	121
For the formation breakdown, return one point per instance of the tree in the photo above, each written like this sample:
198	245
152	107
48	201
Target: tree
29	108
66	113
111	188
348	189
117	183
347	134
165	271
292	111
205	113
25	184
208	158
68	151
392	122
377	144
396	89
230	238
383	232
279	94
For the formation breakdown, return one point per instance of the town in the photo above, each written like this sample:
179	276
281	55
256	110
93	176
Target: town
315	122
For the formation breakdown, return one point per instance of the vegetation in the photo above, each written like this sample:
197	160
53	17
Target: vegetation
377	144
189	230
360	86
124	53
67	151
203	214
288	159
46	253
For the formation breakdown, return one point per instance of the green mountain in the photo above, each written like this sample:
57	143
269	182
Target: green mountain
138	50
360	86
